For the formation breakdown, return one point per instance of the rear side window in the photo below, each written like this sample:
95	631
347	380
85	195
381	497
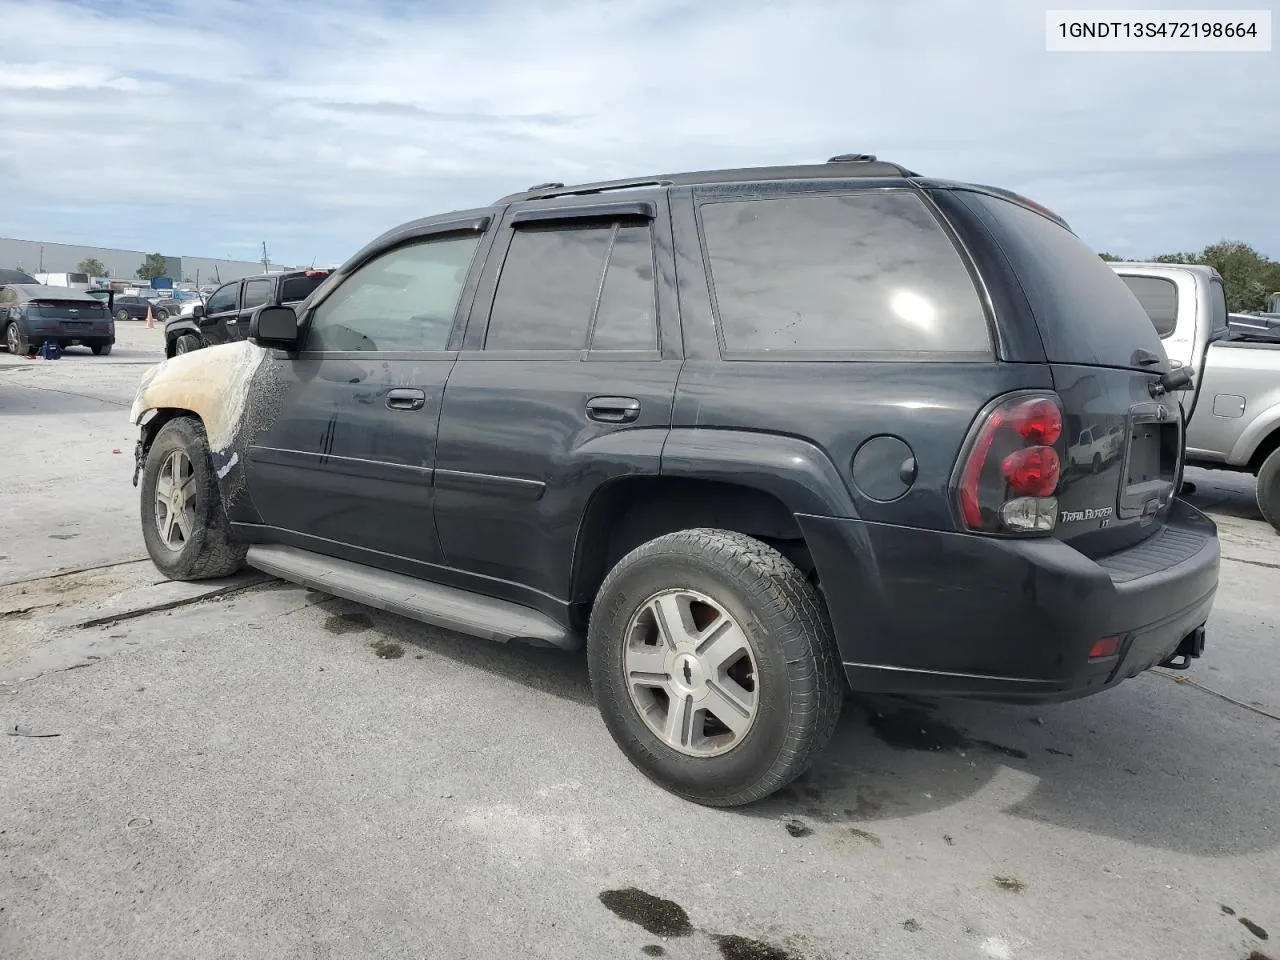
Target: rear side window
1083	310
576	287
548	288
257	292
1159	297
864	274
627	318
295	289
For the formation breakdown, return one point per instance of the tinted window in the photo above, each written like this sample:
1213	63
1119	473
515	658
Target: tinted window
1218	308
548	287
295	289
257	292
627	318
1083	310
1159	297
403	300
865	273
224	298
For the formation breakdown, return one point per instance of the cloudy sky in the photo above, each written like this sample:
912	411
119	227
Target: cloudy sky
204	127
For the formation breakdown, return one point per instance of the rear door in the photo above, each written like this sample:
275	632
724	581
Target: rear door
255	293
1105	356
565	382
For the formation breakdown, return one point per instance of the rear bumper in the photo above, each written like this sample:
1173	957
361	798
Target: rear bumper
947	614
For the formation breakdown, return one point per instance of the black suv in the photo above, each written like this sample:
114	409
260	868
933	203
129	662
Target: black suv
746	434
224	316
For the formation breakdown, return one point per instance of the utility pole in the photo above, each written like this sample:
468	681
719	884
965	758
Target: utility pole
266	261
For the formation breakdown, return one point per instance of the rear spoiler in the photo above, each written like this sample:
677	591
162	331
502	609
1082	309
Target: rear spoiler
1028	203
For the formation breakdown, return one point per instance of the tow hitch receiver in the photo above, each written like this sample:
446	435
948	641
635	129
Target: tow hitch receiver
1191	647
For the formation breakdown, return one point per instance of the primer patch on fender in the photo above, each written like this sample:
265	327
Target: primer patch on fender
213	383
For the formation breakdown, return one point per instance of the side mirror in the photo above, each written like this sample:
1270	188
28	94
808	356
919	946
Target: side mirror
197	311
274	327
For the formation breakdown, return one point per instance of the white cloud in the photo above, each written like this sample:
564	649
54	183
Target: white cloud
315	127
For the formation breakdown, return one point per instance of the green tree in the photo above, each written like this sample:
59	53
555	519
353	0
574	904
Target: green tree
1247	275
154	266
92	266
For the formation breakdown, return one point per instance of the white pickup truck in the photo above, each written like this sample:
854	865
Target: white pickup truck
1232	407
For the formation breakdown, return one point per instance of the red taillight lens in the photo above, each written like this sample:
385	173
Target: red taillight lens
1012	468
1037	421
1032	472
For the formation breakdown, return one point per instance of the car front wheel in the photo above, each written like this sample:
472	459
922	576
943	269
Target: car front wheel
186	343
714	667
184	524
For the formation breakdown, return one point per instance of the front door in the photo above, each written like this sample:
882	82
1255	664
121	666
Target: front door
564	384
222	307
346	466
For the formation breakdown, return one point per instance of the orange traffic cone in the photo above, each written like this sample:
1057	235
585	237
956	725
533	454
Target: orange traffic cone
151	322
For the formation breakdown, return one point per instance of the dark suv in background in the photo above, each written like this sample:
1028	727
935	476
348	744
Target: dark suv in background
224	315
747	434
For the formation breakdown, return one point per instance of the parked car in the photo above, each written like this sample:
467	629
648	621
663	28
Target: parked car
747	435
1233	410
224	316
131	307
16	276
31	313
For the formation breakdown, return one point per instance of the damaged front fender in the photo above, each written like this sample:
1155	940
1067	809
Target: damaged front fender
216	385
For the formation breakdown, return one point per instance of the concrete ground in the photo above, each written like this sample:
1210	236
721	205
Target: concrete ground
248	769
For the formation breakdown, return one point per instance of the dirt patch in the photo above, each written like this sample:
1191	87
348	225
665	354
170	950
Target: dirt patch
1010	884
387	649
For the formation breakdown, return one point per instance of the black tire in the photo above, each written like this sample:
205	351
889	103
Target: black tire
798	682
186	343
1096	465
122	315
16	340
161	316
210	551
1268	489
101	349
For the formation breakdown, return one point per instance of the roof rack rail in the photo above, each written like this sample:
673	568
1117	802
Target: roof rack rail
549	185
847	165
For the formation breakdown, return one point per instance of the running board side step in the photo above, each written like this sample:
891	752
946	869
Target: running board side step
440	606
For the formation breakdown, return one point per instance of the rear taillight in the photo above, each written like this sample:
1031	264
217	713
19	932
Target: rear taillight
1011	467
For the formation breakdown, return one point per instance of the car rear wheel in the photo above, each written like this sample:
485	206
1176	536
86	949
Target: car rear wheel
122	315
184	524
162	315
101	349
714	667
1268	489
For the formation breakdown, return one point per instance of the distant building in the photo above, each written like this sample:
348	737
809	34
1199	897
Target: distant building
33	256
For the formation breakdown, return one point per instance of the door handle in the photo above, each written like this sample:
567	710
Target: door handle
613	409
405	398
